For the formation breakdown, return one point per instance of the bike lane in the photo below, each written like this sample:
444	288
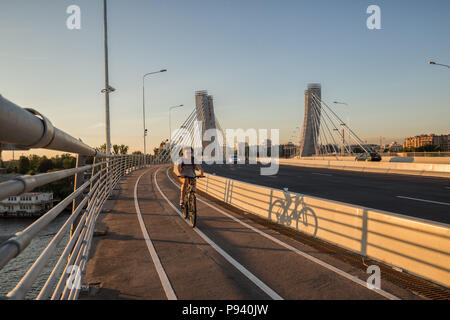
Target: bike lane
119	262
194	268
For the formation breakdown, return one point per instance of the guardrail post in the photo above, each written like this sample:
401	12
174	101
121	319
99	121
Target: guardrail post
79	180
122	166
92	175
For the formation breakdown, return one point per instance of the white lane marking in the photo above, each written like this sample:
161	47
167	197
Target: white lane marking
322	174
271	293
170	294
301	253
423	200
447	187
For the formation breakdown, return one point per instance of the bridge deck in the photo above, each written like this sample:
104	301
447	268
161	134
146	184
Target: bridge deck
225	259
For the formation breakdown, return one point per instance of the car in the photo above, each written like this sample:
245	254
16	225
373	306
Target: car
237	160
368	156
233	159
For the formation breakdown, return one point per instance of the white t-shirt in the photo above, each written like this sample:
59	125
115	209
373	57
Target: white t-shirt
187	169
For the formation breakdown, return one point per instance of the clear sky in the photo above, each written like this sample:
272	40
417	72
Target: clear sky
255	57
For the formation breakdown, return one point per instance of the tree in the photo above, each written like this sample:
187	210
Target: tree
45	165
68	163
137	152
12	167
56	162
162	145
102	148
123	149
115	149
120	149
34	162
61	188
425	148
24	165
428	148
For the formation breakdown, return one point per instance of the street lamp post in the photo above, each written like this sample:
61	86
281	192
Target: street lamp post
143	106
170	123
439	64
107	87
297	152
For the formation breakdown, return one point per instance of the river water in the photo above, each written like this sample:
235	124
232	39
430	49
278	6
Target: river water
11	274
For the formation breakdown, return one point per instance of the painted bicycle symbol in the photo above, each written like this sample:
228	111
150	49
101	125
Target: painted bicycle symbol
280	212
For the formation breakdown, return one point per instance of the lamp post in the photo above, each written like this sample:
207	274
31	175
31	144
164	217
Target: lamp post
170	122
143	105
107	89
297	149
439	64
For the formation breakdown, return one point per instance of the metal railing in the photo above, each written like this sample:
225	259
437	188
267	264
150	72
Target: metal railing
26	128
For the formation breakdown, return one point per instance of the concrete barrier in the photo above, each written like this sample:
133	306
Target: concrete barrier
422	169
418	246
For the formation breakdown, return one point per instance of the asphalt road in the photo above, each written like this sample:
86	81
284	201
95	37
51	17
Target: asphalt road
421	197
150	252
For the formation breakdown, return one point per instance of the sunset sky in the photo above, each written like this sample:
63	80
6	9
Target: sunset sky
255	57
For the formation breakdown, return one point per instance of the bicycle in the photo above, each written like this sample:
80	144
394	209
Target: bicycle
189	209
299	213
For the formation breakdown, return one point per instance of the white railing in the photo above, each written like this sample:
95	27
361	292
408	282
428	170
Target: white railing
25	129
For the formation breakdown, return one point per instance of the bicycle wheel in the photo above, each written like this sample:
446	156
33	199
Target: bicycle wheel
192	210
303	216
277	210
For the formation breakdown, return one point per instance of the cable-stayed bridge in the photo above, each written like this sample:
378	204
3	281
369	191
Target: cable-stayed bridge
256	237
324	132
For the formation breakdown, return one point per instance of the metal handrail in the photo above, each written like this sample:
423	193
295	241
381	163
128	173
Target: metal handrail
23	128
27	183
101	184
25	284
27	128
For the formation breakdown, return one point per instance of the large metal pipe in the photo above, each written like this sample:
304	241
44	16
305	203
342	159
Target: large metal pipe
27	128
27	183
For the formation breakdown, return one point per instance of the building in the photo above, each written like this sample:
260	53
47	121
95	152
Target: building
288	150
311	122
442	141
26	205
394	147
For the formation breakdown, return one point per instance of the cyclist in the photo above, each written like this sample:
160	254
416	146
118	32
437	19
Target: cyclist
186	168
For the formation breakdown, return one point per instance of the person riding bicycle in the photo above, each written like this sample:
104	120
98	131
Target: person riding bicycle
186	168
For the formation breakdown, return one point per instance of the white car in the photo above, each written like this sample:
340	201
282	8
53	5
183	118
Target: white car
233	159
